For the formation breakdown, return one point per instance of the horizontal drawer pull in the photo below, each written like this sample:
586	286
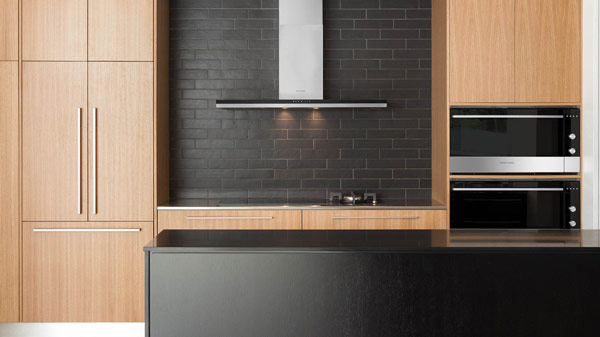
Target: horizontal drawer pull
375	217
507	116
229	218
87	229
508	189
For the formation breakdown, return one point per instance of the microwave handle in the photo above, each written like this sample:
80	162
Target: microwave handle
486	189
508	116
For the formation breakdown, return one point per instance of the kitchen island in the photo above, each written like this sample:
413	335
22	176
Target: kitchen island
373	283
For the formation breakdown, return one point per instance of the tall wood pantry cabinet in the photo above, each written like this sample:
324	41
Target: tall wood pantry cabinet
89	74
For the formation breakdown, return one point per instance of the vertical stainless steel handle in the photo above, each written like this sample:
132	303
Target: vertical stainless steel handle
79	160
94	163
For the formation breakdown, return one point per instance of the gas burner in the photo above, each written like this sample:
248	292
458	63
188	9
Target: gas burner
337	198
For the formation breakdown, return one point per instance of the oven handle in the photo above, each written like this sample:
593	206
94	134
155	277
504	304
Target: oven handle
508	116
486	189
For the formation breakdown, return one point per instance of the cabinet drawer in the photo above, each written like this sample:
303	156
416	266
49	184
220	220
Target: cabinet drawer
84	272
230	219
376	219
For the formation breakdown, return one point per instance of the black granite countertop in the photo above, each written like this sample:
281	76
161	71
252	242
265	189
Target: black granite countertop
344	240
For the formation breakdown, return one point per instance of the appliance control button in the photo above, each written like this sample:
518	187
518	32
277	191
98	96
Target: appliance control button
572	136
572	151
572	209
572	223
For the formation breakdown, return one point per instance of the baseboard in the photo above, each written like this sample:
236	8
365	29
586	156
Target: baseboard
72	329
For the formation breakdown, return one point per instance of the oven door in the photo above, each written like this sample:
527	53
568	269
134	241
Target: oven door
514	204
514	140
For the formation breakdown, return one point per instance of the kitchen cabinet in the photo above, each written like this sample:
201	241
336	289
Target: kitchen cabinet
81	30
54	30
374	219
54	142
548	51
9	191
120	141
121	30
74	272
87	163
481	53
9	30
230	219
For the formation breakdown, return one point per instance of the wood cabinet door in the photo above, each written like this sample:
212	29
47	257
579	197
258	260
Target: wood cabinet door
121	30
54	141
9	191
230	219
481	50
120	141
9	30
54	30
548	51
373	219
84	272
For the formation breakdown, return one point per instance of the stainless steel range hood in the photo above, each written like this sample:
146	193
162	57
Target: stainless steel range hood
301	62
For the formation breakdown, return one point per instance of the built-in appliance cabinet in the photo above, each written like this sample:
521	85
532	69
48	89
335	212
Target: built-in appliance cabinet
9	191
229	219
81	30
9	30
87	141
514	51
77	272
374	219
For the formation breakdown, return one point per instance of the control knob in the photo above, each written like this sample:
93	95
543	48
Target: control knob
572	223
572	151
572	136
572	209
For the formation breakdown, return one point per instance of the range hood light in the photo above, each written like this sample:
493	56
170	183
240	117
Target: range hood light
300	63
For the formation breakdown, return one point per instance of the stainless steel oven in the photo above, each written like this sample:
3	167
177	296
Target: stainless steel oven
514	140
522	204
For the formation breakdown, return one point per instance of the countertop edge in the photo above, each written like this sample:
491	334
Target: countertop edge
282	208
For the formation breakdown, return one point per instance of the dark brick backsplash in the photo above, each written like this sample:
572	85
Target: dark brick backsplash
228	49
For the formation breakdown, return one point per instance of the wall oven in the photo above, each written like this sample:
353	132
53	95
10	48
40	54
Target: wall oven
515	204
513	140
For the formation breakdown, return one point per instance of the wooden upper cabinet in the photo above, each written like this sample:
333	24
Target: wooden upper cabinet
121	141
9	191
85	275
9	30
548	51
481	50
54	141
121	30
54	30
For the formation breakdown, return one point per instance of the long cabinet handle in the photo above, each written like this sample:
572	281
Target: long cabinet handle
229	218
87	230
375	217
94	161
79	110
508	116
508	189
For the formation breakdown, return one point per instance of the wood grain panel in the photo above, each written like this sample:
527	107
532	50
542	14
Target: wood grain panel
52	94
379	219
481	50
9	192
548	51
9	30
230	219
440	120
123	94
84	276
161	95
121	30
54	30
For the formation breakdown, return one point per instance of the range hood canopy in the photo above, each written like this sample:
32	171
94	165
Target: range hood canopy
301	62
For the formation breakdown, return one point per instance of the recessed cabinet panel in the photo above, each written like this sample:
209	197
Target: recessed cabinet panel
9	191
84	272
121	30
54	30
120	141
548	51
54	141
9	29
482	36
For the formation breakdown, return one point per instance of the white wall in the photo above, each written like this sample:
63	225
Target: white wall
590	181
